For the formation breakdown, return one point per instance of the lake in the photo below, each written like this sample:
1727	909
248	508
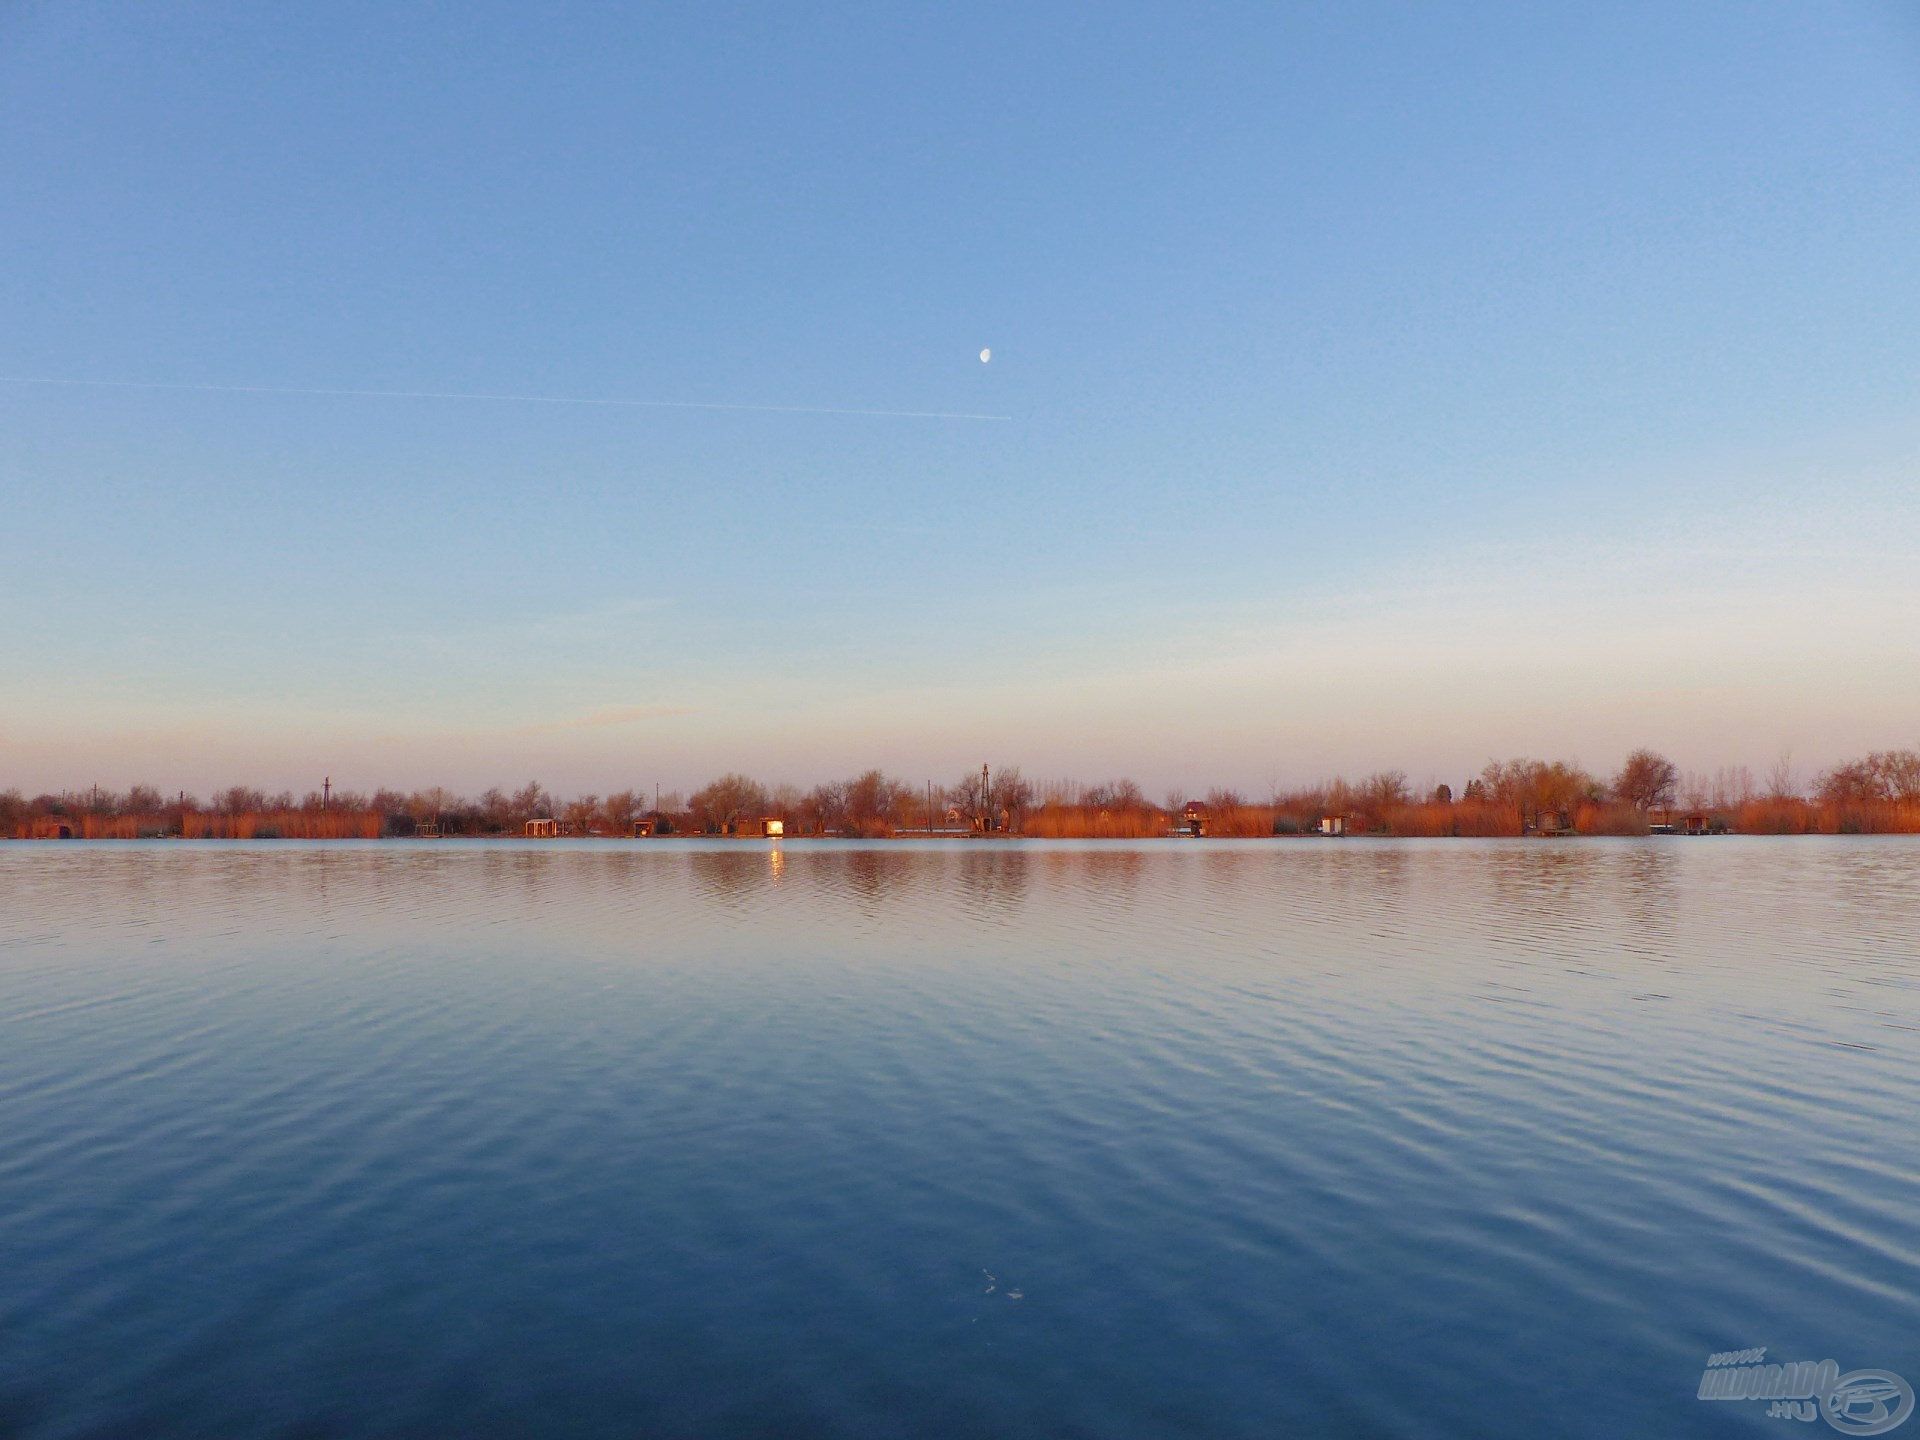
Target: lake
1182	1138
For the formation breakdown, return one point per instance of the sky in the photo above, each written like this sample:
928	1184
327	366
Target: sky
1374	386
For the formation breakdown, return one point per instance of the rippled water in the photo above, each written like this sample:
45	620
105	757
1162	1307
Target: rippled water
1179	1139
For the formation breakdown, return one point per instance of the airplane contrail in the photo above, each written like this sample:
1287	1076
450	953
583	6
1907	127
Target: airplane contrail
518	399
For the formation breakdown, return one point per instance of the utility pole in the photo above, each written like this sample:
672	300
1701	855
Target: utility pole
986	800
326	792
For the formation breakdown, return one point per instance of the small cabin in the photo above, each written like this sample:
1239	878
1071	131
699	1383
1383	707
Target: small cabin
766	827
1552	822
1333	824
427	830
543	829
642	828
1193	816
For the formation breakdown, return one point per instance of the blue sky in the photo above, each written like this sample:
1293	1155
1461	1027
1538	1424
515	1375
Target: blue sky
1387	385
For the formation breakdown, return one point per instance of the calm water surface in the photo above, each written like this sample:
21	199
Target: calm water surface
1182	1139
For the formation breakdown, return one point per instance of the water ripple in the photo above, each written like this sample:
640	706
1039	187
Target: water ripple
715	1138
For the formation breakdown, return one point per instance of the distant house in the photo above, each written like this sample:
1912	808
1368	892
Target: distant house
1333	824
1552	822
642	828
427	830
542	829
771	828
1193	815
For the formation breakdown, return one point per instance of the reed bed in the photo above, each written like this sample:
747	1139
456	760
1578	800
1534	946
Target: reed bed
1790	815
1081	822
1610	817
1444	819
283	825
1866	818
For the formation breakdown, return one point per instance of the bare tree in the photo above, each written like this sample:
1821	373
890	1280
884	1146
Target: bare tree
1732	787
618	809
1883	777
495	810
823	809
239	800
873	804
1647	780
968	795
1851	783
1780	782
1899	772
1012	797
721	805
1537	788
1695	791
1382	790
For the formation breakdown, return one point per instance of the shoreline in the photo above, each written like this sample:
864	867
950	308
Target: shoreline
769	842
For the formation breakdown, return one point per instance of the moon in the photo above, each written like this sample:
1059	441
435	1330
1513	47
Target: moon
985	356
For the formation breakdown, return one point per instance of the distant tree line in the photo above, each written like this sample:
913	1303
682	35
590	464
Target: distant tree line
1879	793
